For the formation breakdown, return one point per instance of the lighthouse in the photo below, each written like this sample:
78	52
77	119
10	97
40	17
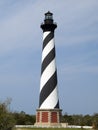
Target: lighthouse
49	112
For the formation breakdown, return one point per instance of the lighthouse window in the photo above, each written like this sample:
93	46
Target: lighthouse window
48	17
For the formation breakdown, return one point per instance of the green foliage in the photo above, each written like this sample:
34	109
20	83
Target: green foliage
6	117
23	119
81	120
95	121
9	119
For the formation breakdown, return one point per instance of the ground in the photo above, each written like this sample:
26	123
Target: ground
48	129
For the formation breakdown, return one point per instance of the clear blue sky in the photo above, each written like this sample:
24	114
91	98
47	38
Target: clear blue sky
76	40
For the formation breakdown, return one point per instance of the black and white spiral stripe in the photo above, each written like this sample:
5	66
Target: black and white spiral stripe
48	84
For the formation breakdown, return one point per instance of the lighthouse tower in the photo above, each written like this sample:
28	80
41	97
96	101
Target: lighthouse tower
48	113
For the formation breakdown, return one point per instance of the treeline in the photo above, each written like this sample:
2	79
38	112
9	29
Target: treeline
9	119
81	120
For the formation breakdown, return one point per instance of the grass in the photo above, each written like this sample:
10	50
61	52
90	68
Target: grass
48	129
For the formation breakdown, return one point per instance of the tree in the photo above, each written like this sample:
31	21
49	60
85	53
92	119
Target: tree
6	117
87	120
80	120
68	119
24	119
95	121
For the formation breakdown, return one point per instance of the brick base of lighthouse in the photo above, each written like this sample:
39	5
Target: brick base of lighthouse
48	118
